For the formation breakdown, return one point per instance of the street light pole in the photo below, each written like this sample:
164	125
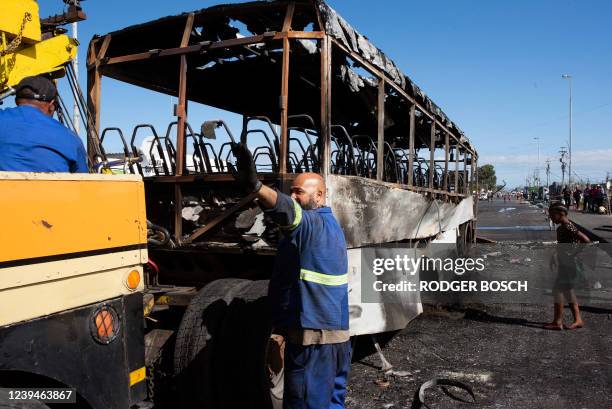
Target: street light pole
563	153
537	139
569	176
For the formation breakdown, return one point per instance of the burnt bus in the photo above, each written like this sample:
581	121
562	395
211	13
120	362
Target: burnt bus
312	95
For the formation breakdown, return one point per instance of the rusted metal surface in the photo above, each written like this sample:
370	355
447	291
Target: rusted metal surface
456	170
380	143
250	59
288	17
446	158
72	15
95	54
181	109
411	144
372	212
284	108
326	63
178	219
361	48
465	173
342	32
432	150
320	97
201	231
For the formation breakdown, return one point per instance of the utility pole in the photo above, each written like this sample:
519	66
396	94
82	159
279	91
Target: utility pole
547	173
563	153
537	169
569	78
527	183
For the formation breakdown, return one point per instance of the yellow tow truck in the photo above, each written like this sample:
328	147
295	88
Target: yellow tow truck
72	249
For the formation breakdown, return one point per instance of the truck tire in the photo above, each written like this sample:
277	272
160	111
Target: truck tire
221	354
246	350
197	341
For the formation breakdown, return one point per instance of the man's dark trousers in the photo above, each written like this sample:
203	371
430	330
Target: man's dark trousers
316	375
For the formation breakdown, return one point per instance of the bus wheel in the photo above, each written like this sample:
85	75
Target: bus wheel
251	373
197	343
225	356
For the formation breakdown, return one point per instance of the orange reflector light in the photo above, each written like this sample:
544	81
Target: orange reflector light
133	280
105	326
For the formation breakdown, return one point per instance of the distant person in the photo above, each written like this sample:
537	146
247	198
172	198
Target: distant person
577	195
31	140
568	268
598	198
586	199
567	197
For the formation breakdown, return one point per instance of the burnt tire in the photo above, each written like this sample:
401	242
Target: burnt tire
246	334
198	339
221	348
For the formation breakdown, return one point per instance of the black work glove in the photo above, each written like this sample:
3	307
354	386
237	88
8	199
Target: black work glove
246	175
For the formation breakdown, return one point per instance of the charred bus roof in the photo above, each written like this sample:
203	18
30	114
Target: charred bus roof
344	108
234	62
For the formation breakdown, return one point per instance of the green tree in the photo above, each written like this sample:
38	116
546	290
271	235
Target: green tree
486	177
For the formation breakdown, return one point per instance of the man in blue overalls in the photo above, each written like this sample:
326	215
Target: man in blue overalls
31	140
309	288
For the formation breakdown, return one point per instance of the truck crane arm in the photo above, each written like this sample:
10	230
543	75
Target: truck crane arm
26	49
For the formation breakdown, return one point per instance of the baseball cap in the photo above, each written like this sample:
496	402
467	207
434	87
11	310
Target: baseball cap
43	89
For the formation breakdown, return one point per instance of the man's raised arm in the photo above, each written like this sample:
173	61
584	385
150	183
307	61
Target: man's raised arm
281	207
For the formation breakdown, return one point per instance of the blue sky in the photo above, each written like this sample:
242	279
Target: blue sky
494	67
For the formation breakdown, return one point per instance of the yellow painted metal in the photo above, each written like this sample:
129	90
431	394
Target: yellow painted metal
43	57
11	19
137	376
42	217
25	53
87	281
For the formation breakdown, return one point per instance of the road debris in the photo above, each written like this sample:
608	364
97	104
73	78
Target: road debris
382	383
399	374
506	209
419	400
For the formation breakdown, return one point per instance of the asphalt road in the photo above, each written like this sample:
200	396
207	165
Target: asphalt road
599	224
513	220
500	350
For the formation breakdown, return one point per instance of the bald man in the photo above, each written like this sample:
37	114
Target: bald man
308	290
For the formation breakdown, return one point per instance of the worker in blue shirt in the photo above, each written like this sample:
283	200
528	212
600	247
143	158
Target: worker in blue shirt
31	140
308	290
